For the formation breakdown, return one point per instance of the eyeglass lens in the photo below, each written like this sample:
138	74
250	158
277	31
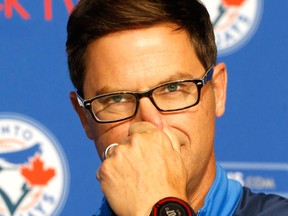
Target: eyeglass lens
168	97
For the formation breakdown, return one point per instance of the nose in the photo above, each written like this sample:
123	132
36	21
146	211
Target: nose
148	112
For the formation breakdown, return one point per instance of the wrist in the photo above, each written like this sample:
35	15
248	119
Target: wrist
172	206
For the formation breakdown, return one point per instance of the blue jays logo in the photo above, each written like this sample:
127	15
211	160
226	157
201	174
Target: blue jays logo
234	22
33	169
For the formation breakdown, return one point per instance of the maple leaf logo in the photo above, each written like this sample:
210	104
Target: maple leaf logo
233	2
36	174
224	7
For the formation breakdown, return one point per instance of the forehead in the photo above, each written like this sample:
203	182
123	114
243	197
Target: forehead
139	59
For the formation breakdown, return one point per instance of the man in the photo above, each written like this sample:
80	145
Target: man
148	93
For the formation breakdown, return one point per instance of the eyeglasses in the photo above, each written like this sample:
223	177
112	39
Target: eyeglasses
167	97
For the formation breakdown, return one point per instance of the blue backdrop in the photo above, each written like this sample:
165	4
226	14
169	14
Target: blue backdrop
251	140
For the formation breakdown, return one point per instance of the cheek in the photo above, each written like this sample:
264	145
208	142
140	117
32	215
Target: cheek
197	126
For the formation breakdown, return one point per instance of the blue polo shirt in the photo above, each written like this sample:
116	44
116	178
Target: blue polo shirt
227	197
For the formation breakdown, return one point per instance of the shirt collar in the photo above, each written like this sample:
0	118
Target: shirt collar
223	196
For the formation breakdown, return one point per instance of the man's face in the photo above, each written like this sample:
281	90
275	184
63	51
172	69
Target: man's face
137	60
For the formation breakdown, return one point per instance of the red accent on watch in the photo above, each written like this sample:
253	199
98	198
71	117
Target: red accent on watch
172	204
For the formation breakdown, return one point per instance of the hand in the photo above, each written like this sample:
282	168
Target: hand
144	169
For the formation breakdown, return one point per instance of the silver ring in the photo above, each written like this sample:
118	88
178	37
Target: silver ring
107	149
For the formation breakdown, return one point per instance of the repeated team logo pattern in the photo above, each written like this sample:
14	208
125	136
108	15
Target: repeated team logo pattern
235	22
34	177
268	177
18	8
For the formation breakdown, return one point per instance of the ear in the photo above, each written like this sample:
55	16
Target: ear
82	114
220	86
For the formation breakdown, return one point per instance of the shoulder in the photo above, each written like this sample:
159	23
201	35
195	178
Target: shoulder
261	204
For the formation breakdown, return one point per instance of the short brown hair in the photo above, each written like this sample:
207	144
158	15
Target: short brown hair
92	19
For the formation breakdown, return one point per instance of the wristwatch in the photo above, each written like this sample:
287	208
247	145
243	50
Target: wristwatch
172	206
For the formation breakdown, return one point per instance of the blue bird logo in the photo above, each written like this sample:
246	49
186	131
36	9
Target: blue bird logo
21	156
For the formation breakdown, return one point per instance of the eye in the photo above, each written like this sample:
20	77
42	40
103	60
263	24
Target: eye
174	89
171	87
116	98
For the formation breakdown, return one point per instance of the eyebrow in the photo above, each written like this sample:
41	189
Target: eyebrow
174	77
105	90
179	76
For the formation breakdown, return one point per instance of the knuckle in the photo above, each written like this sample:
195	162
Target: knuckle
104	168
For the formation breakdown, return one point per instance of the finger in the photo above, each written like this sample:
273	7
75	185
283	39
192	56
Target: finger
140	127
144	127
173	137
98	175
108	151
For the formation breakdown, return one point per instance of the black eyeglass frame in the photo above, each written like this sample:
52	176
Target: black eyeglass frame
87	104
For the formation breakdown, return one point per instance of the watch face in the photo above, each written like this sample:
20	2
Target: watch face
172	209
171	206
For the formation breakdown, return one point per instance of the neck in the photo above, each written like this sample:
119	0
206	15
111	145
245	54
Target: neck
202	186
